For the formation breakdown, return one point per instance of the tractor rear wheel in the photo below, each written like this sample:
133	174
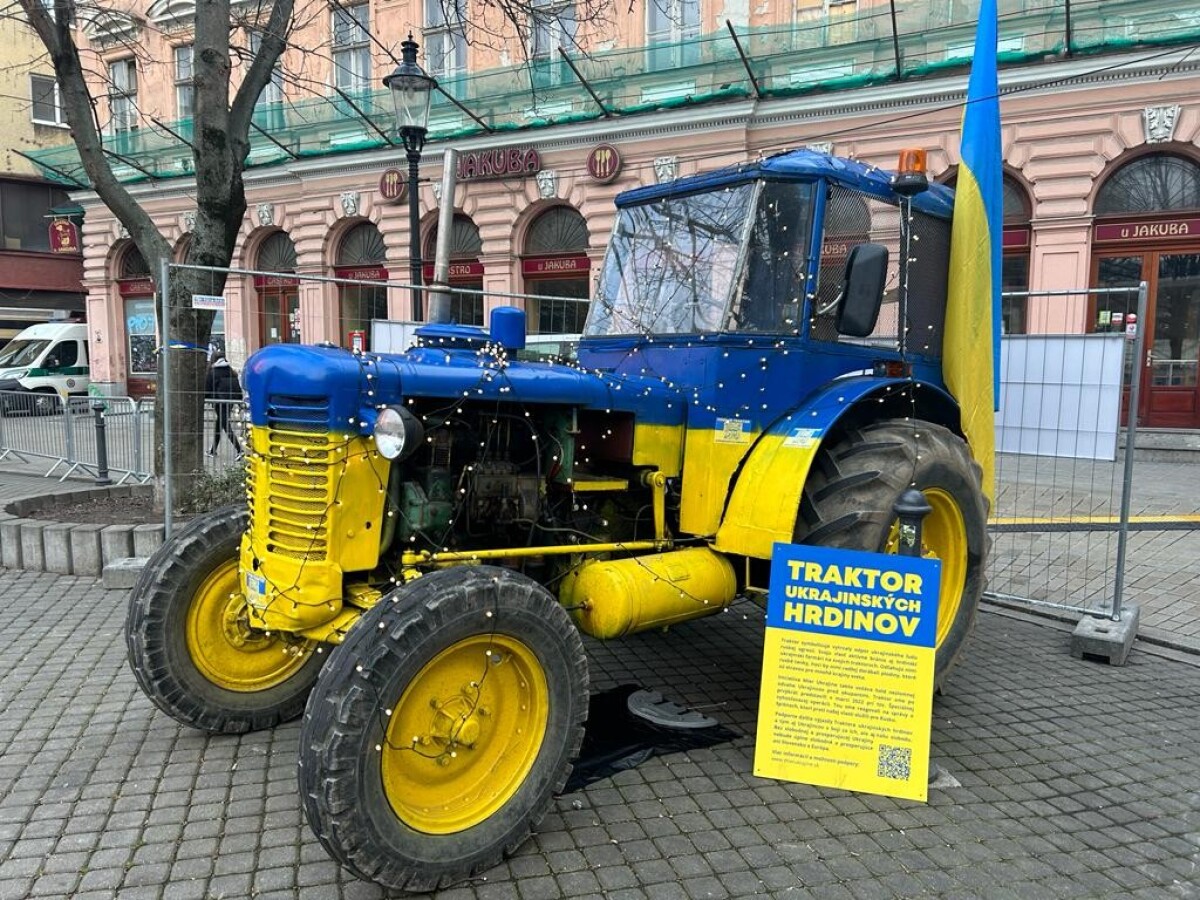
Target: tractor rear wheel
854	485
190	644
440	731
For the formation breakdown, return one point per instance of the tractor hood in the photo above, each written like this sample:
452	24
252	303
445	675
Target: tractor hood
337	390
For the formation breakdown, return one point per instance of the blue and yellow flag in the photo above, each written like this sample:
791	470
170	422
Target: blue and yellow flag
973	301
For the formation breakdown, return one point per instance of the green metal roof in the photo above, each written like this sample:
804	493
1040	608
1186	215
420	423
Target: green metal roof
826	53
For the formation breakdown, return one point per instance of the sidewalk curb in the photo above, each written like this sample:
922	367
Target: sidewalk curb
65	548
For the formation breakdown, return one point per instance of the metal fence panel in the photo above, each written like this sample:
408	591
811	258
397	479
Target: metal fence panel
1060	523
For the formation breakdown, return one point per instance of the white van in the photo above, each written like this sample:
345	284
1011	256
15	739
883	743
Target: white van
42	363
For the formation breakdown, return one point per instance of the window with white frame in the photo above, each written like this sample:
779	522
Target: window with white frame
122	95
47	100
674	25
553	26
352	48
268	111
445	38
185	82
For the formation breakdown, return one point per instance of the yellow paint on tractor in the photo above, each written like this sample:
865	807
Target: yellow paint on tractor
659	447
766	498
613	598
223	647
711	456
317	507
465	733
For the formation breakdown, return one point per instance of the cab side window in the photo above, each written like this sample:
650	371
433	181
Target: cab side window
66	352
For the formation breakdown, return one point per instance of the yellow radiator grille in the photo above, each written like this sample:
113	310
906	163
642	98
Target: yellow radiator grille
299	470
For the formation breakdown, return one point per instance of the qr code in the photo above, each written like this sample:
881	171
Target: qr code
894	762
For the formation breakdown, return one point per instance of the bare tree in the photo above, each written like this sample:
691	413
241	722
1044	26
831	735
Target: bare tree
220	141
220	144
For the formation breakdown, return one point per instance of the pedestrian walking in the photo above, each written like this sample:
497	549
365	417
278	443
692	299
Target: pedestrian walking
222	386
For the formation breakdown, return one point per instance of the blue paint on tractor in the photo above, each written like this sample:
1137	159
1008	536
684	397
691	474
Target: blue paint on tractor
798	165
337	390
756	378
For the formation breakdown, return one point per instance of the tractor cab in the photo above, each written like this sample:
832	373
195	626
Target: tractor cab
801	248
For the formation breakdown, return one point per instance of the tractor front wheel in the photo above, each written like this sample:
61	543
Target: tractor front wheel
190	644
439	732
849	498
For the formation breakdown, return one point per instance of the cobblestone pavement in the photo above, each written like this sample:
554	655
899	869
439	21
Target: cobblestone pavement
1076	780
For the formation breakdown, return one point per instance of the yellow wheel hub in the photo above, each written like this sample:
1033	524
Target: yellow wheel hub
465	734
223	646
944	537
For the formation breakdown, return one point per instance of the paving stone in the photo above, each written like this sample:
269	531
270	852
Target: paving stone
1065	767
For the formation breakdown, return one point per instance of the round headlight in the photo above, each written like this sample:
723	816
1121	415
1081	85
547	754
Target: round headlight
391	433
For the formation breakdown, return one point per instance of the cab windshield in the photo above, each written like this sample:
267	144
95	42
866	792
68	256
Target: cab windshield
731	259
22	353
672	263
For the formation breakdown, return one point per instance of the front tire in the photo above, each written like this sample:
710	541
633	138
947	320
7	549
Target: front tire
190	644
849	498
441	729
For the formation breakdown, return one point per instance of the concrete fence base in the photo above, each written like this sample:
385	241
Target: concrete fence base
30	539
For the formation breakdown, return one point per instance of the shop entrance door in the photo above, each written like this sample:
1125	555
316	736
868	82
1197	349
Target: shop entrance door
1170	386
280	317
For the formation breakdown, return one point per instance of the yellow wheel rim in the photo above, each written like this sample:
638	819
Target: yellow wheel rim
943	537
464	734
223	646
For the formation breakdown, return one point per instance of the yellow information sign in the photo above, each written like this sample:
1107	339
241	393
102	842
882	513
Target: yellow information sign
847	684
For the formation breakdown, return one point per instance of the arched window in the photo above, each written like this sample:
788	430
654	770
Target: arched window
1159	182
560	229
555	264
466	271
465	242
360	257
133	264
277	254
278	295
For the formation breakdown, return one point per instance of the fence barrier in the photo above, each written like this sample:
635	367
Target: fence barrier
1062	517
42	428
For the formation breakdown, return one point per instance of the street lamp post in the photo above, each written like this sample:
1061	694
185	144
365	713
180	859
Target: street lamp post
412	91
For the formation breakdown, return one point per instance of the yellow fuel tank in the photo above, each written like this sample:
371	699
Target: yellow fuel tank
612	598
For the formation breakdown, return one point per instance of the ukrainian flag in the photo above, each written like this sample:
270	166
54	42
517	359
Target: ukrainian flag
973	301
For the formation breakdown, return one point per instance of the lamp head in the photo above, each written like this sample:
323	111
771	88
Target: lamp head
412	91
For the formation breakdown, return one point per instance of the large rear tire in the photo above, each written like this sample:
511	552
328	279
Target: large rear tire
190	644
854	485
440	731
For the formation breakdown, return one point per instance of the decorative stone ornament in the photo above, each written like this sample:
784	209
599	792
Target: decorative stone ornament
665	168
122	231
547	182
1159	122
437	191
189	220
350	203
265	213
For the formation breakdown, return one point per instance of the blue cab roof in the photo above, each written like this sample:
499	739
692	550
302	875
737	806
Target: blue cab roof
798	165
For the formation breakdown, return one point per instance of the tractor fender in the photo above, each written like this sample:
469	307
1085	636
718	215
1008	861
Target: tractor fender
765	500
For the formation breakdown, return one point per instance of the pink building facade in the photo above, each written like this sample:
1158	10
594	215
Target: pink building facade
1102	162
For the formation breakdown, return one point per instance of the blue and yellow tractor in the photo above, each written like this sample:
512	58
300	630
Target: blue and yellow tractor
428	533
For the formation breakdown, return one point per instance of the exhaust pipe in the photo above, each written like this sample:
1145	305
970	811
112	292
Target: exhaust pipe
439	294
